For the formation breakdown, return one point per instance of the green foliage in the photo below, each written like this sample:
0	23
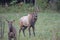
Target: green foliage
13	2
42	3
17	9
58	4
29	7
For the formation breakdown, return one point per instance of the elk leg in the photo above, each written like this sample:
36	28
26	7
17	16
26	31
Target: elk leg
23	32
33	28
29	31
15	38
20	31
9	38
23	29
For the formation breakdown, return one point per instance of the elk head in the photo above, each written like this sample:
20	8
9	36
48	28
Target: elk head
10	22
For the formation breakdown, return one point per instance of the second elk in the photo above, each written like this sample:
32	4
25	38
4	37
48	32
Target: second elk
12	31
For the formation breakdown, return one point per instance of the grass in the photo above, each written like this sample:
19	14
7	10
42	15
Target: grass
47	23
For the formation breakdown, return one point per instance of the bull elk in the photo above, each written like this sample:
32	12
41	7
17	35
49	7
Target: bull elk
28	22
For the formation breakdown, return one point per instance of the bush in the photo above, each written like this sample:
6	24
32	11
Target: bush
42	3
58	4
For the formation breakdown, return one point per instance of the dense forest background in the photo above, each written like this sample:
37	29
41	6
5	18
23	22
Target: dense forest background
16	4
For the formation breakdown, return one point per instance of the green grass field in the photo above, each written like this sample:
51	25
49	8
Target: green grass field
46	27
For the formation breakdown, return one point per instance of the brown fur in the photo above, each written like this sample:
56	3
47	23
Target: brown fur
28	22
31	24
12	31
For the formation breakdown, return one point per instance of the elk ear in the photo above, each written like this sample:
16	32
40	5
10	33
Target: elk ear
13	21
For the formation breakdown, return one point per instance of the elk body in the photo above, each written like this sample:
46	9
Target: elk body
28	22
12	31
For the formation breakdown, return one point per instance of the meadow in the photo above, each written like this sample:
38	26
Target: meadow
46	28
